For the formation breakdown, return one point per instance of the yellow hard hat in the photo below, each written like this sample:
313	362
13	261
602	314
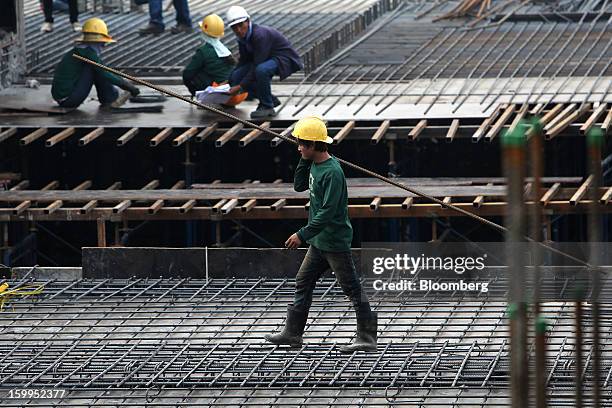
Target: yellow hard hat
311	128
95	30
212	25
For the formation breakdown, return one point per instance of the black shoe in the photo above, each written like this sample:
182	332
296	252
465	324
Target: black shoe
262	112
291	334
151	29
181	28
275	101
366	339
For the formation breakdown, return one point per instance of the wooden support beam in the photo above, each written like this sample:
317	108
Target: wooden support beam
58	203
416	131
21	186
156	206
452	130
64	134
537	109
253	134
229	206
35	135
480	199
94	203
582	190
605	199
22	207
277	140
278	204
185	136
101	229
209	130
51	186
91	136
407	203
375	203
480	132
7	133
248	206
593	118
527	189
560	126
226	137
557	118
344	132
551	114
605	126
307	206
380	132
447	200
518	117
125	204
550	193
218	205
127	136
500	123
187	206
160	137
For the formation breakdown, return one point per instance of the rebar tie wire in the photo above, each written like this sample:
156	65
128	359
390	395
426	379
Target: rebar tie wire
7	294
346	163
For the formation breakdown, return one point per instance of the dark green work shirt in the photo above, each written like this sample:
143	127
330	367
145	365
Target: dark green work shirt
68	72
329	227
205	65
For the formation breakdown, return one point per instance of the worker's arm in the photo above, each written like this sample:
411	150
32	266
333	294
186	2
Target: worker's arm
262	51
332	184
302	173
195	65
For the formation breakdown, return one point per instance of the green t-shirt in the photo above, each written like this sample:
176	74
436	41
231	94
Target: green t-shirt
329	227
206	64
68	72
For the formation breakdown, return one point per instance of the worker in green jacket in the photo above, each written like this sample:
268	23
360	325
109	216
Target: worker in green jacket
73	79
212	62
329	233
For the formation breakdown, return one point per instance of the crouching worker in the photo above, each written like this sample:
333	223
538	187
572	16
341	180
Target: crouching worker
73	79
329	233
212	62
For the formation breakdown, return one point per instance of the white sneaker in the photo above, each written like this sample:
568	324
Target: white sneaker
76	27
46	27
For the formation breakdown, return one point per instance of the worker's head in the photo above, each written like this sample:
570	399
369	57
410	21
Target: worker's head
238	19
311	135
212	25
95	31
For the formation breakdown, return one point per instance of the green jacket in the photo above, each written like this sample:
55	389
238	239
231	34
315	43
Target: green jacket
329	227
205	68
68	72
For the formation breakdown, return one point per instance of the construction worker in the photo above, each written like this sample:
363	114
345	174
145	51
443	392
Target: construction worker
156	19
73	10
73	79
329	233
264	52
212	62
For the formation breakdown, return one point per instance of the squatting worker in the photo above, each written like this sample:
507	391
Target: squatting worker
264	52
73	79
329	233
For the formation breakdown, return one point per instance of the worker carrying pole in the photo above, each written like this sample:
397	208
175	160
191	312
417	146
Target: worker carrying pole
329	234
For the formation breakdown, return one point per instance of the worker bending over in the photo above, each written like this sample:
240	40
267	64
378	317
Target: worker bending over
264	52
212	62
73	79
329	233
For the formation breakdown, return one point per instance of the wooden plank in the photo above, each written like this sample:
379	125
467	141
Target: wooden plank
127	136
253	134
500	123
249	205
407	203
537	109
560	126
21	186
91	136
605	199
101	230
380	132
581	191
94	203
518	117
344	132
480	199
185	136
64	134
160	137
229	206
416	131
452	130
550	193
35	135
557	118
22	207
486	123
278	204
55	205
551	114
586	126
219	204
233	131
125	204
7	133
375	203
210	129
187	206
605	126
277	140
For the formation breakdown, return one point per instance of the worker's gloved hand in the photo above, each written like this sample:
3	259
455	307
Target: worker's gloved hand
133	90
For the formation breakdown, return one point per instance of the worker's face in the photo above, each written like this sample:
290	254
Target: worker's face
241	29
306	152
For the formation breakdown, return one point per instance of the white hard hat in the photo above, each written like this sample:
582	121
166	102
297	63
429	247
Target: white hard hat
235	15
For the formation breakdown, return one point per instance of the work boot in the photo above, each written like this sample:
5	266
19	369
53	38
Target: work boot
120	101
276	101
262	112
181	28
366	338
151	29
294	328
46	27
